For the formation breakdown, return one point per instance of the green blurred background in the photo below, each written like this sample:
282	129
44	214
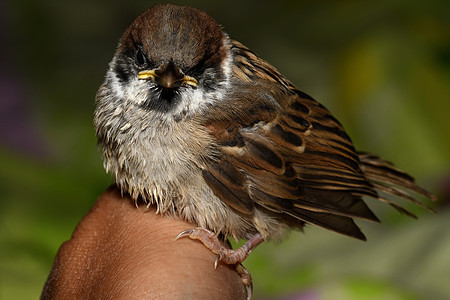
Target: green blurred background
382	68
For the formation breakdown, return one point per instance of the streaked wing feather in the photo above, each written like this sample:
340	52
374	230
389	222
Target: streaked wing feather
339	224
280	149
228	184
344	203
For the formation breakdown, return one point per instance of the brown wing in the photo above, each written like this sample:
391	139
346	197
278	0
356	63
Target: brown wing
281	150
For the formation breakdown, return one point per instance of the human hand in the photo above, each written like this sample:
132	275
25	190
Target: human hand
120	251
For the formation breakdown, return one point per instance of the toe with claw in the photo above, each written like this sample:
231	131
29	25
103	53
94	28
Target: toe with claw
224	254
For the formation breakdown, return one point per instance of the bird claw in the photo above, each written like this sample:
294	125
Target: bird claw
218	259
225	255
184	233
246	278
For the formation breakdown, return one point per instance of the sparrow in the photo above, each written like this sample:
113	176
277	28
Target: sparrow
196	124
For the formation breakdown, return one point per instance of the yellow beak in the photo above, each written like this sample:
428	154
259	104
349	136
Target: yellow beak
147	74
151	74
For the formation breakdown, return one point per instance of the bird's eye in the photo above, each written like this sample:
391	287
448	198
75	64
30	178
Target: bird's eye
197	69
140	58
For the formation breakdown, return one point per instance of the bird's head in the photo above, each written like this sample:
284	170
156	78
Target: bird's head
172	60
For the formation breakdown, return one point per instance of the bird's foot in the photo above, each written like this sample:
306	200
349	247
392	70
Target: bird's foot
226	255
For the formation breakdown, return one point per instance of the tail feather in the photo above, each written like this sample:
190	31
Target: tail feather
386	178
383	171
401	193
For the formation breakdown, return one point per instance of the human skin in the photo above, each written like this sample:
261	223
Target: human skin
120	251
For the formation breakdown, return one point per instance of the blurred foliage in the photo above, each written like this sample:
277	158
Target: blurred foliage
383	69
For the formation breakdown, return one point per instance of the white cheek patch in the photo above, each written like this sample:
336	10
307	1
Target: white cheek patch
227	63
114	82
196	100
191	101
135	91
115	86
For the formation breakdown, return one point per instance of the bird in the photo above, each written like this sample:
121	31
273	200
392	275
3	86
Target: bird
196	124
